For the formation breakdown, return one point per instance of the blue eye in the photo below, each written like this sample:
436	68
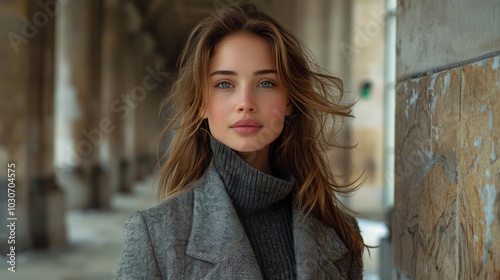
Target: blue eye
223	85
267	84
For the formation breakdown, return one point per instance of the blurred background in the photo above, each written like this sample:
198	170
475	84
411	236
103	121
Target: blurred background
81	88
81	82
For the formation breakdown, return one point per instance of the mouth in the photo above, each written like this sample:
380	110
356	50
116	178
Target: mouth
246	123
246	126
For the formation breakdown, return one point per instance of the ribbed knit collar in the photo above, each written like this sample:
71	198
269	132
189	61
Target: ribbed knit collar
250	189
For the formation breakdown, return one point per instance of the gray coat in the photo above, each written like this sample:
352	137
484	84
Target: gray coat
197	235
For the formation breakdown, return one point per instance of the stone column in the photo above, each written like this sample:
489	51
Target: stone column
446	218
165	81
80	129
155	80
140	137
146	77
140	118
127	162
116	105
27	118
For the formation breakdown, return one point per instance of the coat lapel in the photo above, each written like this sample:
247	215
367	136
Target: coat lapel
217	236
318	249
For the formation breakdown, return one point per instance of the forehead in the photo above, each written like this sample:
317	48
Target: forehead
242	51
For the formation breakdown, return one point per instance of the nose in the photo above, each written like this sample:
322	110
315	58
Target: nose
246	102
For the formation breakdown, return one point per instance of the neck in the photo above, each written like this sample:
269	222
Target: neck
250	189
258	159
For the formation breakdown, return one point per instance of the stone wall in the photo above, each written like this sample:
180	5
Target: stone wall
447	177
440	34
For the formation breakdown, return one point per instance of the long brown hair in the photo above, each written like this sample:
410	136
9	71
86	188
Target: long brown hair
302	147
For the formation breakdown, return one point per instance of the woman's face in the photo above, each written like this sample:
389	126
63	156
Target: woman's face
247	103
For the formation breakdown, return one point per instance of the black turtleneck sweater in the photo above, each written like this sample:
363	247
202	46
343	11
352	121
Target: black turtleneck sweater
263	203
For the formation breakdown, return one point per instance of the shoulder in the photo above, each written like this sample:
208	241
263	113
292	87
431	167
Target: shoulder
174	209
173	205
151	235
149	224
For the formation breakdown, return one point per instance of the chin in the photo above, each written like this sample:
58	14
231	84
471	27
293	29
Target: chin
248	147
246	150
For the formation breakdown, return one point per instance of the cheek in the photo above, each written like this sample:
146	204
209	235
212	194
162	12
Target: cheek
277	105
275	111
216	111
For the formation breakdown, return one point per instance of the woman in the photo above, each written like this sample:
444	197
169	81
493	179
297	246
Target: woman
247	192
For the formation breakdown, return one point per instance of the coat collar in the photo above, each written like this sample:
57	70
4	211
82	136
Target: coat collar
217	236
317	247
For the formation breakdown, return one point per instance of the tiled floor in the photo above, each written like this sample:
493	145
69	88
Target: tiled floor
95	242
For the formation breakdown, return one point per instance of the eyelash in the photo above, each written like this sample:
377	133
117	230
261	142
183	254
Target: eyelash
218	85
272	84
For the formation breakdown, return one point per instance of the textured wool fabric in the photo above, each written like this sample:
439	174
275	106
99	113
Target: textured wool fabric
263	203
197	234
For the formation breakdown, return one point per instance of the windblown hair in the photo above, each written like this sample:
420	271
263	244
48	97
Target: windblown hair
301	148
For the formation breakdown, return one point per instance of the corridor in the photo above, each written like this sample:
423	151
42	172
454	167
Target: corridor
82	84
94	242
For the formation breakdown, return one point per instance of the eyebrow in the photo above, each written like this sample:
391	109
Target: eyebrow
233	73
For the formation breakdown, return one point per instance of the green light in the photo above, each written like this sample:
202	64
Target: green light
366	90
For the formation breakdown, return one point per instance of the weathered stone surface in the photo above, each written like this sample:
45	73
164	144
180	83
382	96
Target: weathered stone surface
446	215
425	195
437	34
479	210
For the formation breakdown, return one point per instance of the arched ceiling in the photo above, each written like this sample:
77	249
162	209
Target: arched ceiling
170	21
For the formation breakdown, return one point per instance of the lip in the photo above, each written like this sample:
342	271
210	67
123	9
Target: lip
246	126
246	123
